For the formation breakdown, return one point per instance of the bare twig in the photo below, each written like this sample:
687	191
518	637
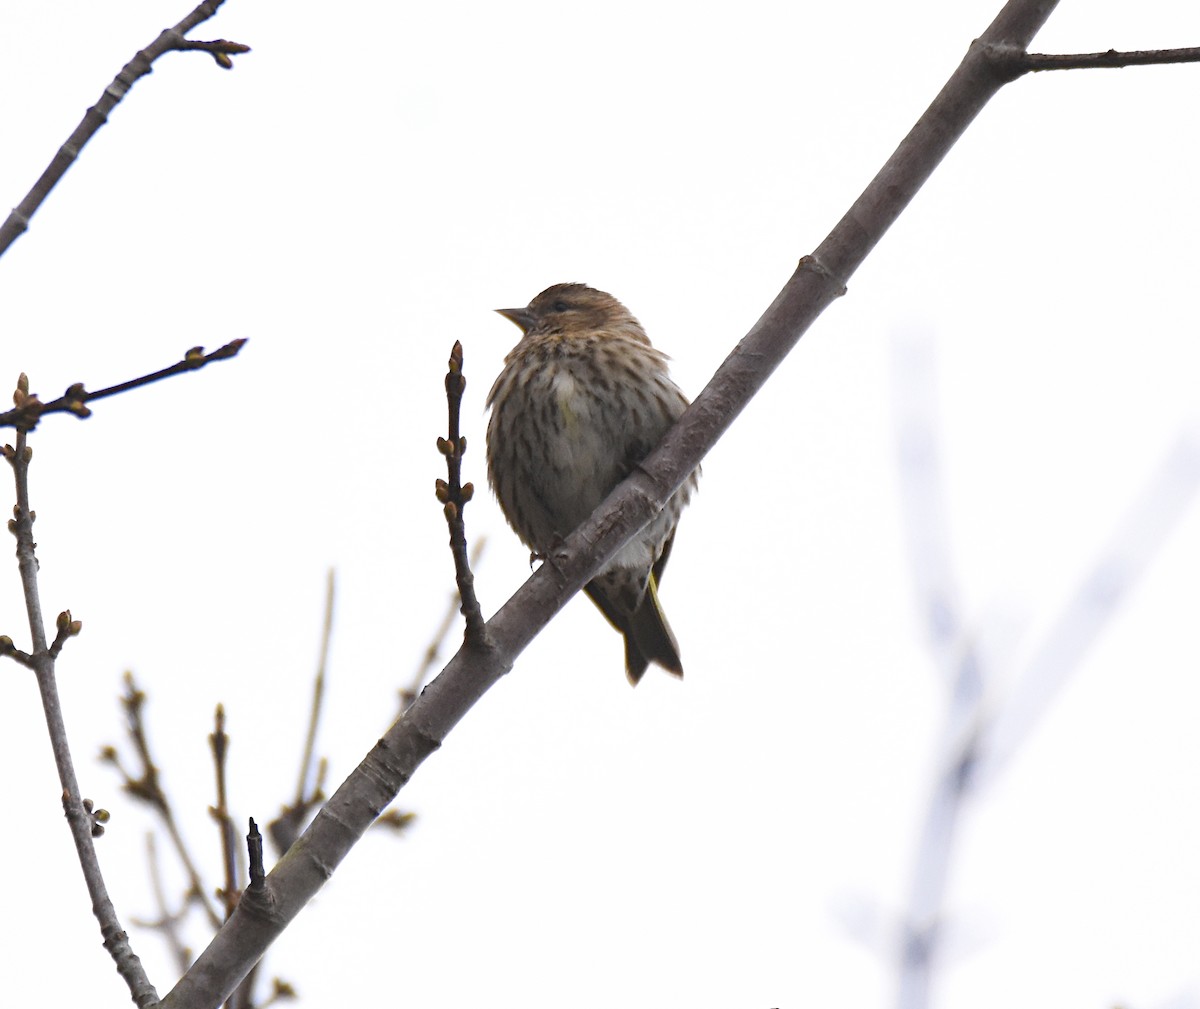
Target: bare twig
66	628
218	742
170	40
254	849
454	496
168	921
79	815
284	830
28	409
220	49
425	669
6	643
231	851
146	787
310	740
1037	62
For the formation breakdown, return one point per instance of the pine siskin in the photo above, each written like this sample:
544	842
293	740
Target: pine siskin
582	399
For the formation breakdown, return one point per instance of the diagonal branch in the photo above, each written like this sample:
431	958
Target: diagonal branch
29	409
170	40
817	282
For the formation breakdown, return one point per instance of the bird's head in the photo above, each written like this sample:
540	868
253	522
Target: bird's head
572	309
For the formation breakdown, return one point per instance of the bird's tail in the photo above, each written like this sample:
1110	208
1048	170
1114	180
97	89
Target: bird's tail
648	636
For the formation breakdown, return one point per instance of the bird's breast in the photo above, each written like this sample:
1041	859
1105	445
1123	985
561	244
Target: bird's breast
565	392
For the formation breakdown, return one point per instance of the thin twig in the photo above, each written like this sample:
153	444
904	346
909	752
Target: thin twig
231	851
408	694
310	740
79	818
172	39
254	849
66	628
146	787
1037	62
28	409
454	496
218	742
284	830
6	643
168	921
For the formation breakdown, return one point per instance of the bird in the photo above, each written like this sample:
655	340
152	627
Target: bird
582	399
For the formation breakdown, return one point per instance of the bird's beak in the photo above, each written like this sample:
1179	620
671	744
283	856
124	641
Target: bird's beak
522	317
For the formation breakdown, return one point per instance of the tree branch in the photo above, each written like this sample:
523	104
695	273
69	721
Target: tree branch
284	830
454	496
1037	62
409	693
147	787
819	279
29	409
170	40
78	810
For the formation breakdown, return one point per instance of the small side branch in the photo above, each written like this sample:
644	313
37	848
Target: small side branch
1021	62
83	819
428	664
147	787
310	788
66	628
454	495
254	849
170	40
1111	59
28	409
218	742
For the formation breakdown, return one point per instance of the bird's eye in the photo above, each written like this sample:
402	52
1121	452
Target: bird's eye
559	306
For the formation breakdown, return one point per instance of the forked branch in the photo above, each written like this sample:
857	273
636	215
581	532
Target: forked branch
170	40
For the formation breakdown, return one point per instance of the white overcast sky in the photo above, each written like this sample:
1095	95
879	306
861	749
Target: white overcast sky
361	192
